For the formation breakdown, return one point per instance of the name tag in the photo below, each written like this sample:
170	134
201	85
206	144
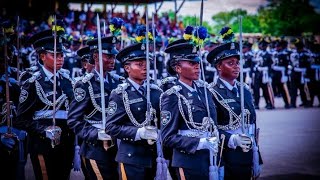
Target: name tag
229	100
132	101
99	95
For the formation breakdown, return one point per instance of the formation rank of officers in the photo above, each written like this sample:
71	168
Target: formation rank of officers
182	128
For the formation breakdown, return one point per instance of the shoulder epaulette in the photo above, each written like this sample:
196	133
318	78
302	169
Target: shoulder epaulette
35	76
65	73
245	85
121	87
168	80
173	89
154	86
118	77
87	77
211	85
201	83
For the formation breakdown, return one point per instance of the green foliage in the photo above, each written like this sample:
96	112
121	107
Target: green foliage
286	17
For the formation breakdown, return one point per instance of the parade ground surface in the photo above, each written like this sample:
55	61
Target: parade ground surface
289	143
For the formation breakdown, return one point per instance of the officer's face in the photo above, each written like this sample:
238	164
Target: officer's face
229	68
48	60
188	70
137	70
108	61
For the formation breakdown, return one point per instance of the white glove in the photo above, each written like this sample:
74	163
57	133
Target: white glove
150	134
242	141
211	144
103	136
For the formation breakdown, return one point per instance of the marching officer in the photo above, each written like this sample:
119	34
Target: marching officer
159	58
85	56
261	67
248	55
85	113
280	65
72	61
51	140
315	74
237	151
300	76
12	150
127	120
185	125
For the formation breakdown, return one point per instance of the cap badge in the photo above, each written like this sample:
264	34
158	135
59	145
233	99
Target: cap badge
194	50
232	46
143	47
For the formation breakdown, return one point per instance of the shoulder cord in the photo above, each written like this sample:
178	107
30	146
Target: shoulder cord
125	99
194	125
232	124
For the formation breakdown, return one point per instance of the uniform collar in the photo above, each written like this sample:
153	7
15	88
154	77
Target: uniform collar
48	73
134	84
228	85
188	87
98	76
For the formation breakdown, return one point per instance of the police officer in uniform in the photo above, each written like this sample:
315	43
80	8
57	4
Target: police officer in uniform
237	153
280	77
185	125
85	114
300	76
72	61
85	55
315	74
248	55
11	144
261	67
51	147
127	120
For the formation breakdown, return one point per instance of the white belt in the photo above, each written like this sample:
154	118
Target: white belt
60	114
198	134
97	124
278	68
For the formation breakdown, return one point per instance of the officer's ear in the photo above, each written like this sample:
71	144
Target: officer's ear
95	57
218	66
42	55
126	67
178	68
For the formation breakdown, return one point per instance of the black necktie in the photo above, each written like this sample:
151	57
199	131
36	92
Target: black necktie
142	90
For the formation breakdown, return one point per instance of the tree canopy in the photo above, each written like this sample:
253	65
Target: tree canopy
277	18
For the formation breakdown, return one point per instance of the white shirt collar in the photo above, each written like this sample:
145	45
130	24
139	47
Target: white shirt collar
228	85
187	86
105	78
134	84
47	73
